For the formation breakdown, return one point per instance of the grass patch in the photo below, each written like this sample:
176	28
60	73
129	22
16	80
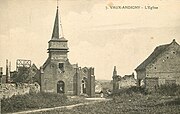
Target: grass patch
34	101
131	90
127	104
169	90
134	100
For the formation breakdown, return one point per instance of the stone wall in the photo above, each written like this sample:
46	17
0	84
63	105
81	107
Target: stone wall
127	82
91	82
8	90
52	74
166	66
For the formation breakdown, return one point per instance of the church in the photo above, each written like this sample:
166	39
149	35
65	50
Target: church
58	75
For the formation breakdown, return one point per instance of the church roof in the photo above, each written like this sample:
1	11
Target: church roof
157	51
55	34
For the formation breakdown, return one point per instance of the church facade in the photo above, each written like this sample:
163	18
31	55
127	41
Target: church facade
58	75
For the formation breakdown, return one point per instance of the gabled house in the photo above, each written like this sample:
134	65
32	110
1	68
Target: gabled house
161	67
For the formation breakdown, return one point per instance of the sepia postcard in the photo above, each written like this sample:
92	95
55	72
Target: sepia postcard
89	56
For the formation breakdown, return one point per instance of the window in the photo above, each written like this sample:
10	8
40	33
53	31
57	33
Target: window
85	71
61	65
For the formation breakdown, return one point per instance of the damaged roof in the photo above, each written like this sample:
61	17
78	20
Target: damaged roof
157	51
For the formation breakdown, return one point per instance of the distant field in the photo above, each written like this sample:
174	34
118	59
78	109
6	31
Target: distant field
106	84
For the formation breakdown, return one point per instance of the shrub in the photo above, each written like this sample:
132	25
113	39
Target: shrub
174	102
169	90
32	101
131	90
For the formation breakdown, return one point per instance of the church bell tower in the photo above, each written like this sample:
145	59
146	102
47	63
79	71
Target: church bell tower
58	47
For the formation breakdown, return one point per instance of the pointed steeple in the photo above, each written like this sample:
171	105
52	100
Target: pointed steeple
58	43
55	34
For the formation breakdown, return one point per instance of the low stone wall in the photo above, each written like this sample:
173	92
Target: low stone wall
8	90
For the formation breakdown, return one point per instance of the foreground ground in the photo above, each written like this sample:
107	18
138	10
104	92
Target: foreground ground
134	100
126	104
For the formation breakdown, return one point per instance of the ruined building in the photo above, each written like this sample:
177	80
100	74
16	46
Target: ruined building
25	72
116	78
127	81
5	78
119	82
161	67
58	75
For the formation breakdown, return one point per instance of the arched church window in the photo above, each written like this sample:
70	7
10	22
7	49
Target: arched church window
83	86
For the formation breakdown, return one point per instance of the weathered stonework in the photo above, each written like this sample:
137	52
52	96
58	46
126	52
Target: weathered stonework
161	67
127	81
58	75
116	78
119	82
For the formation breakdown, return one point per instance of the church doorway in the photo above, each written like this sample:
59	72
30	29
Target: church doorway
60	87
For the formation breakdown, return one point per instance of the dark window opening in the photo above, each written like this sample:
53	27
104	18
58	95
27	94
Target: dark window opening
84	71
61	67
154	67
167	57
174	52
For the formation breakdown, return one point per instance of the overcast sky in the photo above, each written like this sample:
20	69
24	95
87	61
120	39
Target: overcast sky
96	37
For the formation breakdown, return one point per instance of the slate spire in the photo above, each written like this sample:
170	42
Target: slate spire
55	34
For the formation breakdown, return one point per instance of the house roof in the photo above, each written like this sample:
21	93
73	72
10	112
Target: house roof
157	51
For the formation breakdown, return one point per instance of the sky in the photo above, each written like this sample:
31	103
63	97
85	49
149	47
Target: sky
97	37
